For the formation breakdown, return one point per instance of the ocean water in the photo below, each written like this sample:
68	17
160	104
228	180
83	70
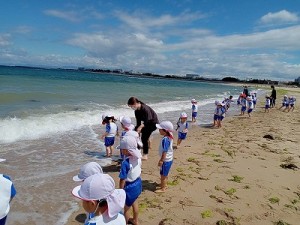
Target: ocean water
50	123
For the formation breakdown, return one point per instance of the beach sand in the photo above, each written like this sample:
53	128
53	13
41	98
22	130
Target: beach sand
232	174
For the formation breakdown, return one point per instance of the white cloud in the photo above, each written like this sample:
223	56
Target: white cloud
5	40
280	17
71	16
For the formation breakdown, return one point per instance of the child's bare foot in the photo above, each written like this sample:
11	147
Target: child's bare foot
145	157
158	191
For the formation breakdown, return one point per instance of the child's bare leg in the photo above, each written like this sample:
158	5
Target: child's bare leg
126	213
111	148
107	150
135	207
163	182
178	142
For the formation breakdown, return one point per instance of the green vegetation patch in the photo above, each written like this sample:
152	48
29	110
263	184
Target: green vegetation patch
236	178
207	214
274	200
230	191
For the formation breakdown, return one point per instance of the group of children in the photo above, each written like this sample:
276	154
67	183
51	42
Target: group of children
288	103
247	103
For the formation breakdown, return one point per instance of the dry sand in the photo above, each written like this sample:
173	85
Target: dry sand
232	174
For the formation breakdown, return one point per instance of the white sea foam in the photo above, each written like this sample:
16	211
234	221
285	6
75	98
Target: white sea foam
36	126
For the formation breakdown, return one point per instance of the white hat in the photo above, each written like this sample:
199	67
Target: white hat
183	115
126	121
101	186
249	98
193	100
166	125
136	136
217	102
130	143
87	170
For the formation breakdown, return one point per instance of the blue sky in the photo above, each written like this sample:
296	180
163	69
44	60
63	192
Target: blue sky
214	38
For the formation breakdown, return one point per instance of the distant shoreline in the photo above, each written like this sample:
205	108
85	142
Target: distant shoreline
225	80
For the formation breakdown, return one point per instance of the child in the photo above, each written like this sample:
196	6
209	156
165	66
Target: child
99	196
221	114
216	114
87	170
111	130
165	153
182	127
227	102
238	102
285	102
7	193
194	110
243	104
126	126
268	103
292	103
250	105
130	179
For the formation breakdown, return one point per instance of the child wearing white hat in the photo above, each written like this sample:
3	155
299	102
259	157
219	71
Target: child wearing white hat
292	101
165	153
182	128
130	173
250	105
99	196
221	111
194	110
126	126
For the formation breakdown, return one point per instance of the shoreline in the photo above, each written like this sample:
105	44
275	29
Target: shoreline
236	172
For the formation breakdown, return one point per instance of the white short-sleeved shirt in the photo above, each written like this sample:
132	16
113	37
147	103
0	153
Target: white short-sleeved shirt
182	126
111	129
130	169
166	145
104	219
194	108
250	105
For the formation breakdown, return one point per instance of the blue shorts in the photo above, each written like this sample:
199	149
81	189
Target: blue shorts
220	118
109	141
133	190
250	110
181	135
287	105
165	168
2	221
215	117
243	109
267	106
194	114
254	102
283	104
238	102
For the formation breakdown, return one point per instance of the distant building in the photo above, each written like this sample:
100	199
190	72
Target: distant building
192	76
297	80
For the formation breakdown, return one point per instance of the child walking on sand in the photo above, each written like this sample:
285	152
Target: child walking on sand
111	130
254	99
126	126
250	105
99	196
130	179
194	110
165	153
268	103
285	102
182	128
292	101
221	114
243	104
216	114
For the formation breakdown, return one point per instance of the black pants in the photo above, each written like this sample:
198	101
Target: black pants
146	132
273	102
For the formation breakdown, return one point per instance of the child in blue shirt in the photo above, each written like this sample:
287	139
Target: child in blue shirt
292	101
7	193
268	103
221	110
111	130
130	179
250	105
243	104
165	153
182	127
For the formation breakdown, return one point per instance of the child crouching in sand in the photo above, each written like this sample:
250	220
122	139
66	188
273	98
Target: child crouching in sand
165	153
182	127
130	179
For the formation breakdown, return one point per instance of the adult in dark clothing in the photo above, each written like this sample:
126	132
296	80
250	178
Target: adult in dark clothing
146	120
273	97
246	92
